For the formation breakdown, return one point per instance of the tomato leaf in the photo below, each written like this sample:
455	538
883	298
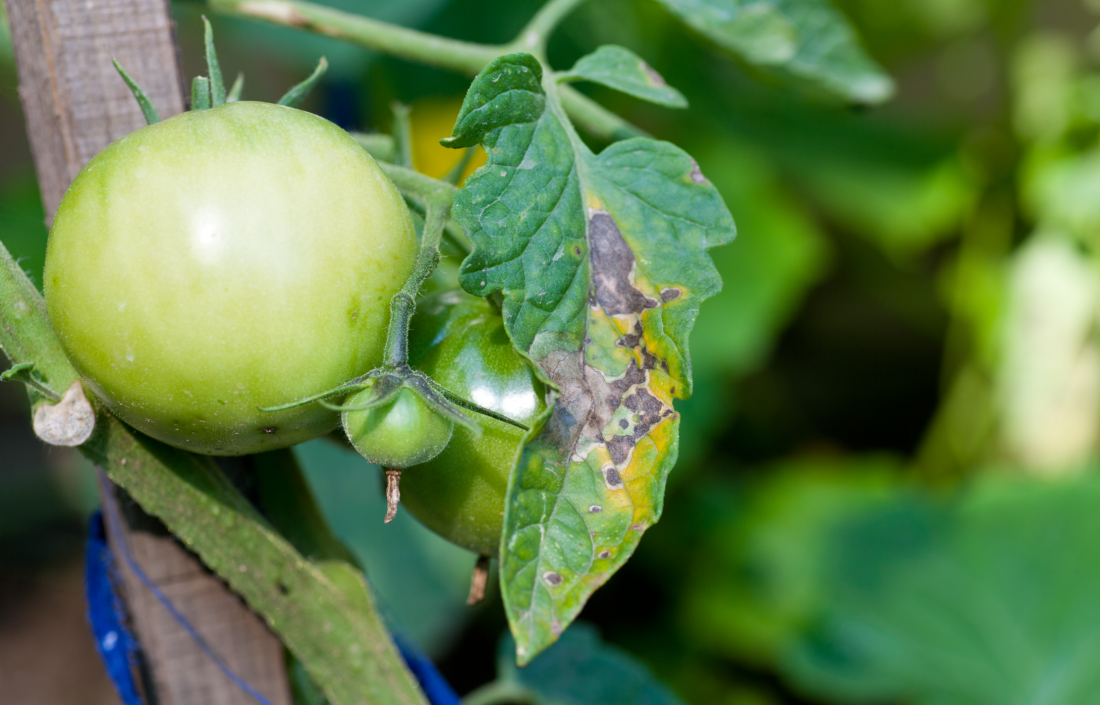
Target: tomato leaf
602	263
623	70
987	599
807	39
582	669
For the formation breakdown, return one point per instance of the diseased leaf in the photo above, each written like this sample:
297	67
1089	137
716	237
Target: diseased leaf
582	669
808	39
602	263
621	69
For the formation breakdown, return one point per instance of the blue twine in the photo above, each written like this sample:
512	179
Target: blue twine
119	650
116	528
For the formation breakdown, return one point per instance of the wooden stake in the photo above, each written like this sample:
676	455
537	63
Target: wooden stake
75	104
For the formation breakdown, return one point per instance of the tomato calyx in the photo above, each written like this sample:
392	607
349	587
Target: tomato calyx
382	386
209	92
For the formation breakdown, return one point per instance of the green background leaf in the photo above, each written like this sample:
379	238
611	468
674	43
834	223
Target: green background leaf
986	600
623	70
807	39
581	669
602	263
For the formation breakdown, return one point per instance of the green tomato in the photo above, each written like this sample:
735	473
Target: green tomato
224	260
401	433
459	341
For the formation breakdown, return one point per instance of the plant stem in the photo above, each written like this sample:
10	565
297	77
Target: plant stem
25	332
403	304
423	188
394	40
533	37
464	57
595	119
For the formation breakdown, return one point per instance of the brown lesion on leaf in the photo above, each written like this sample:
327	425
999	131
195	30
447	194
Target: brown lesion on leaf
697	174
613	265
655	78
594	413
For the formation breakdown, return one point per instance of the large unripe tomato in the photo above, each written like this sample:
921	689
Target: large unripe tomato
225	260
459	341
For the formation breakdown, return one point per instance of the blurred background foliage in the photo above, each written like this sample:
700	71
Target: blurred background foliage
887	487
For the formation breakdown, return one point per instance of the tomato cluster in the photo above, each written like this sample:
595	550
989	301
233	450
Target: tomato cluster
244	257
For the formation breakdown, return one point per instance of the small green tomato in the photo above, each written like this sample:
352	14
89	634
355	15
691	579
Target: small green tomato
401	433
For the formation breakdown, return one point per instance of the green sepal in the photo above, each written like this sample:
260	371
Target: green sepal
217	85
299	92
347	387
200	93
236	90
147	109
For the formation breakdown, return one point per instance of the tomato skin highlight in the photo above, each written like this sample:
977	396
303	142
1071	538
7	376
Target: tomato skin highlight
402	433
460	342
224	260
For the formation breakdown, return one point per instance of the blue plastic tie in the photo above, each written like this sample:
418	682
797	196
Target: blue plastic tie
116	645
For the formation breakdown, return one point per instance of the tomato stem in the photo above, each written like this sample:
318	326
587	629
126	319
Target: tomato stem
533	37
393	493
421	47
402	134
403	304
478	581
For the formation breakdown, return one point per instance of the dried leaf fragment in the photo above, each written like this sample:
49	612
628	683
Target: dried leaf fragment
69	422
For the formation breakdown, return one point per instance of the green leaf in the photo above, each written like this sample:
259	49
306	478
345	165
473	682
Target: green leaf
621	69
507	91
761	584
985	600
602	263
808	39
582	669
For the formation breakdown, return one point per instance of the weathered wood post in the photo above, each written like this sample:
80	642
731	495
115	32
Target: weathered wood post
75	105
